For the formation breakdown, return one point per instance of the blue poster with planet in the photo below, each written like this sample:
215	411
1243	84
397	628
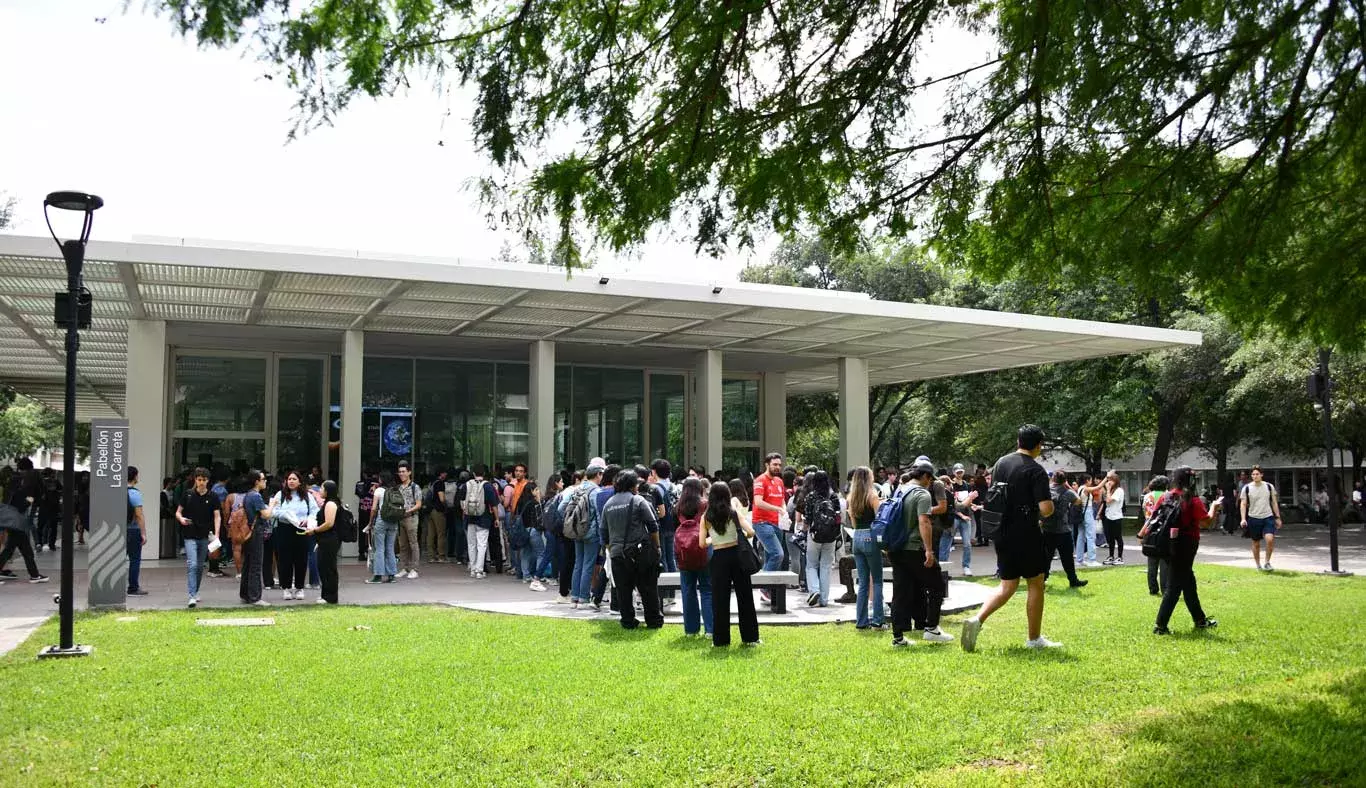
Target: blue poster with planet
396	434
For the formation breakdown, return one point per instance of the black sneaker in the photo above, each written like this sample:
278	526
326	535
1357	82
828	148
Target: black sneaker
7	573
1208	623
136	592
900	642
375	579
38	579
1161	631
388	578
1078	583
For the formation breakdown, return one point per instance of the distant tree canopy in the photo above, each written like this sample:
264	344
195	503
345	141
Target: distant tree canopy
1220	138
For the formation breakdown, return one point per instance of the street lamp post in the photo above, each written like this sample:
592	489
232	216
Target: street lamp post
72	311
1321	388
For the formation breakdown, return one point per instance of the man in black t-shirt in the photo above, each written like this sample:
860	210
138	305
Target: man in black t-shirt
200	515
1020	547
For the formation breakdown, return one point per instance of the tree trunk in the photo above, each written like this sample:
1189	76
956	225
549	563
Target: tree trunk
1220	462
1167	417
1095	461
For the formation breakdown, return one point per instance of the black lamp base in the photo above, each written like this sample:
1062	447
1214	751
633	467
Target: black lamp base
1336	574
57	652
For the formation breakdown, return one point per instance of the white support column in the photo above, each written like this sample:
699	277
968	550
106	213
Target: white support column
541	447
707	405
853	394
773	432
145	395
353	371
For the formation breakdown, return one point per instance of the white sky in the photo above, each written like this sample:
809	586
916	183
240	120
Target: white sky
190	143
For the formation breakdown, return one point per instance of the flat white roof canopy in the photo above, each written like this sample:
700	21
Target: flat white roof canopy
432	307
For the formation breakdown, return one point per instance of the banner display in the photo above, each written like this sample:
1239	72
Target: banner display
106	533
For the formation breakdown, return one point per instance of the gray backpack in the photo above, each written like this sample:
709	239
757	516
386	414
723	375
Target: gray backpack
578	515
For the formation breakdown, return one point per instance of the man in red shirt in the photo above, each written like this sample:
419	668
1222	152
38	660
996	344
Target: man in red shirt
1194	516
770	498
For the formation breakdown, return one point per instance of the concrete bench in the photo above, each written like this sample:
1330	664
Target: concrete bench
775	582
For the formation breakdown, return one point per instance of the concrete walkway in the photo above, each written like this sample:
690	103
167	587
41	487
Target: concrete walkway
1300	548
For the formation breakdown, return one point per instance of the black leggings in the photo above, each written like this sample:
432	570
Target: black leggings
291	550
1063	545
19	540
1181	585
328	547
1114	536
726	575
566	564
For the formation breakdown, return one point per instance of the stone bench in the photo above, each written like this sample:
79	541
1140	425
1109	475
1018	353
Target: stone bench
775	582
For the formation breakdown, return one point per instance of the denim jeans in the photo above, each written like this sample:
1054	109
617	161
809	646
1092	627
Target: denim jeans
819	558
963	529
585	559
868	562
771	538
666	549
311	543
530	553
384	560
543	547
196	553
1086	539
697	608
133	545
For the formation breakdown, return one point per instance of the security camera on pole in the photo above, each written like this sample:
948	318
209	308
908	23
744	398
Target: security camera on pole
72	310
1321	390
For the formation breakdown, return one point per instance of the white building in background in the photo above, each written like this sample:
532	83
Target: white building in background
272	359
52	458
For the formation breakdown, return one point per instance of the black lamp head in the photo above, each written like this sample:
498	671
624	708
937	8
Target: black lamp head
74	201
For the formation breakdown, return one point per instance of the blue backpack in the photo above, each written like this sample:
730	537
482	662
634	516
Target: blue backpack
670	496
889	526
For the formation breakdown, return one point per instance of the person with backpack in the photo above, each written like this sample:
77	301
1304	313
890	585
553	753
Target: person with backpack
1058	531
579	515
918	587
1181	514
665	495
721	527
863	510
1261	516
434	504
690	552
365	493
480	505
1018	497
1159	567
452	496
136	534
821	518
383	533
514	530
409	496
551	529
631	536
253	507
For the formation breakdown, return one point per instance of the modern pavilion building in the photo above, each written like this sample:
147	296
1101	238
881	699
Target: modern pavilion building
275	359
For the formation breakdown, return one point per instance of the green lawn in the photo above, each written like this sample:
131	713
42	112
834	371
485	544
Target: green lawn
435	696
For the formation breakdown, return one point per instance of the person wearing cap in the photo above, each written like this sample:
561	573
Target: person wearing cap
963	499
918	586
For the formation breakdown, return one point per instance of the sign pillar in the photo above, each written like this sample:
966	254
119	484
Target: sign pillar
107	531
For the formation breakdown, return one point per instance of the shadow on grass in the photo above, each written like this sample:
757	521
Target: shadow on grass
1058	655
611	631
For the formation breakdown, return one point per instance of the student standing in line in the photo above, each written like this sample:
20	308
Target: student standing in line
200	514
691	554
1113	517
292	508
412	508
136	535
329	543
721	526
1057	532
863	505
253	550
821	517
918	587
631	536
1020	549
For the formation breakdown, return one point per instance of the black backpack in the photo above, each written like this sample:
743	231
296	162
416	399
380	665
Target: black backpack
994	509
344	523
1159	542
432	502
822	520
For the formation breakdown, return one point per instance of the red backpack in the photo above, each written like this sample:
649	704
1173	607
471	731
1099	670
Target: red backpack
691	556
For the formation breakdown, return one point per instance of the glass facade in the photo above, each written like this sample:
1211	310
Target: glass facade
299	414
605	415
740	425
236	454
220	394
668	416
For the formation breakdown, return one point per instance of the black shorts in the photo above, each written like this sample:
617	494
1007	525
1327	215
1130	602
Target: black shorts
1021	556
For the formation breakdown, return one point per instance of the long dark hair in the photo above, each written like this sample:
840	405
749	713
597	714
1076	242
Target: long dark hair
820	484
302	490
1184	479
719	513
330	494
739	491
690	498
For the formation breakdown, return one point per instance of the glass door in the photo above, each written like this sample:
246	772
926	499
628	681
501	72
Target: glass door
668	411
301	415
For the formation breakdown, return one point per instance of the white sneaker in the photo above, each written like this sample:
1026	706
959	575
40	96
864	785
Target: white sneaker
971	628
193	602
261	603
289	594
320	601
1042	642
536	585
412	574
937	636
967	572
561	600
298	595
1267	567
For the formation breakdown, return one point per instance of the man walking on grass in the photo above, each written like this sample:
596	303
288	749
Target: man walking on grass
1020	547
1261	516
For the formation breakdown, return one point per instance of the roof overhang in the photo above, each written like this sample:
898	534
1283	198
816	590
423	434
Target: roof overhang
453	305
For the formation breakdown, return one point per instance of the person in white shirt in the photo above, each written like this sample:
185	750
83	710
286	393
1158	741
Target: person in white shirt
1261	516
1112	495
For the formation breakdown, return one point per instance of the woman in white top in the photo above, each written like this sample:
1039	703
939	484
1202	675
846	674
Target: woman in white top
1113	518
293	509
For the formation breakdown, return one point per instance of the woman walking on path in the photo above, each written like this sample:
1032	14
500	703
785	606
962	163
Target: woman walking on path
863	504
722	525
